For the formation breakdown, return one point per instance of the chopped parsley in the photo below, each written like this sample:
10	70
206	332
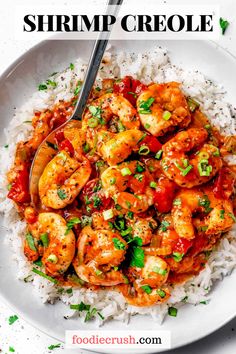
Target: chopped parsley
12	319
222	214
11	350
146	289
96	202
54	346
137	257
130	215
118	244
164	225
172	311
72	66
71	223
61	194
42	87
205	203
90	312
223	25
139	168
144	106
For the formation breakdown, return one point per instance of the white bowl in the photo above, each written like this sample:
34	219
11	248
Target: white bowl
16	86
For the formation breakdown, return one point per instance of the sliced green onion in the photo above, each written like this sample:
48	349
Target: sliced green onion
92	122
159	270
153	184
232	216
159	154
108	214
86	148
52	258
203	155
98	272
192	104
172	311
203	168
177	201
147	126
178	256
222	214
36	271
146	289
44	239
126	171
166	115
30	241
144	150
161	293
187	170
112	181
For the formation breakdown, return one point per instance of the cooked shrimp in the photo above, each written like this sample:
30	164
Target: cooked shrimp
218	218
143	228
59	250
105	247
90	273
117	179
189	171
138	297
108	105
155	271
98	252
120	147
62	180
162	107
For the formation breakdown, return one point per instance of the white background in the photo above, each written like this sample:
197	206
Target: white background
24	338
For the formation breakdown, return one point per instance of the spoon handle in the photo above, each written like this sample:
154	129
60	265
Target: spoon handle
95	60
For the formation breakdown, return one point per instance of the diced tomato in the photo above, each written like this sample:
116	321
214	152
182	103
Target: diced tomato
67	146
164	195
224	184
182	245
129	88
152	143
19	191
138	183
94	198
59	136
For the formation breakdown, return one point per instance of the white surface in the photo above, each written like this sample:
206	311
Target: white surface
23	337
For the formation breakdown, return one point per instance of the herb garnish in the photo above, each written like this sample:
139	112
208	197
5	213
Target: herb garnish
12	319
71	223
61	194
224	25
118	244
145	105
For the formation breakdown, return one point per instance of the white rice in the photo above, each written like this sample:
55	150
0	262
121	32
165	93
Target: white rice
153	66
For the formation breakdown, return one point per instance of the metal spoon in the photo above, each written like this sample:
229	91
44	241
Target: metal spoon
45	153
